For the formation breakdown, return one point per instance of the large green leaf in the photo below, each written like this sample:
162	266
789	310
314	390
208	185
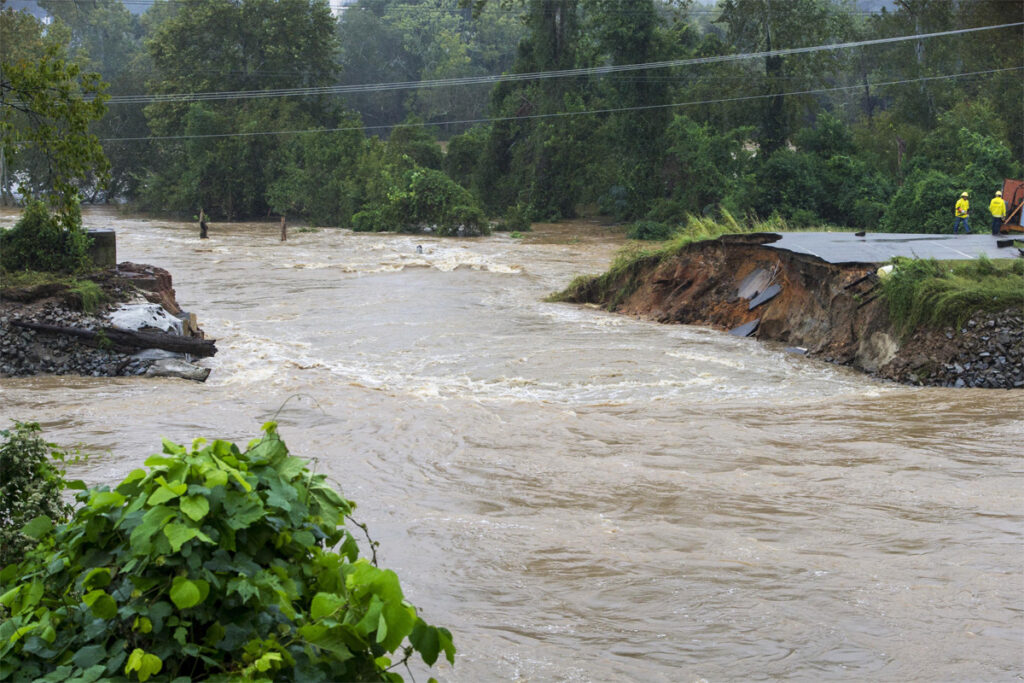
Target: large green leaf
195	507
101	604
179	534
142	535
186	593
166	491
325	604
98	577
143	663
102	499
38	527
90	655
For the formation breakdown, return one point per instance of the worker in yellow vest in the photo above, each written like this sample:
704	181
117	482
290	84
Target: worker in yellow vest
997	207
962	210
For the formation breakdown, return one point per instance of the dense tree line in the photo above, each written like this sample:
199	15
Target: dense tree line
877	136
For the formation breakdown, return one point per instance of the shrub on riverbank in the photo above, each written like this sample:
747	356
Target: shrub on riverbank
929	293
424	199
216	564
39	241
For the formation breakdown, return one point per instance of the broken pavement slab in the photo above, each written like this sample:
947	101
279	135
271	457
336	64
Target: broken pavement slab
764	297
746	329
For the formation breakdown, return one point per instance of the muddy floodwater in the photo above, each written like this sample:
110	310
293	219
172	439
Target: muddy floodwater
581	496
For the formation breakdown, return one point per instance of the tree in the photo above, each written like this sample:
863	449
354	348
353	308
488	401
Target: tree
46	105
320	181
766	25
539	161
105	37
222	45
627	33
31	483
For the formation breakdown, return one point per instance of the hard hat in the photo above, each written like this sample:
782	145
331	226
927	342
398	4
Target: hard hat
998	193
964	194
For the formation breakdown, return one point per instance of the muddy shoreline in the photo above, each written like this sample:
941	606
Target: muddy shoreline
826	310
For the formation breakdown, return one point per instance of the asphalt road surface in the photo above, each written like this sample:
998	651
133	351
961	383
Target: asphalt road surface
845	247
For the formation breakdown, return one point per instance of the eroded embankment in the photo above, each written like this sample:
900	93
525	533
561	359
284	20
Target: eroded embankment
834	311
45	329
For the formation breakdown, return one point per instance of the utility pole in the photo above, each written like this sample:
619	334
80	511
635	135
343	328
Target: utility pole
3	178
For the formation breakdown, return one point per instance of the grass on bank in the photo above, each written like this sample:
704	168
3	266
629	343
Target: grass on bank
930	293
90	294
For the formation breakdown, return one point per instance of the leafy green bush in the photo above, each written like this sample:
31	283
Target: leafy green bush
38	241
412	139
31	482
369	220
923	204
517	219
464	152
464	221
424	198
430	195
650	230
216	564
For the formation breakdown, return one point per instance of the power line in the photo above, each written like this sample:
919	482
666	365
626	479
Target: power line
817	91
539	75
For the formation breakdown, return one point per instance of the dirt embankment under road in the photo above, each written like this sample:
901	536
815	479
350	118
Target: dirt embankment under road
834	311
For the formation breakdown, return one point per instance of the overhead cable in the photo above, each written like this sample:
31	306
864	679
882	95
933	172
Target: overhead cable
538	75
743	98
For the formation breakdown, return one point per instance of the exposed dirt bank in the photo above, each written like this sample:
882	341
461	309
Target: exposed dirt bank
830	310
26	349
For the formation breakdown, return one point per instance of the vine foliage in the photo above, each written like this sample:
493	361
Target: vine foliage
31	482
215	564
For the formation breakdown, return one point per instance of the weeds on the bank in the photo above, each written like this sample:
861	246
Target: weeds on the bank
929	293
88	294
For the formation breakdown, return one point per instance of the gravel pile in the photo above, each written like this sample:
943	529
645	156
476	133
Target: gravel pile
991	354
987	352
27	352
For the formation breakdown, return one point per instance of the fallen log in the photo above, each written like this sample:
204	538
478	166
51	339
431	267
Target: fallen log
127	339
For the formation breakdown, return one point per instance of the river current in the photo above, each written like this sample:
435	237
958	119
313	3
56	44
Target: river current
577	495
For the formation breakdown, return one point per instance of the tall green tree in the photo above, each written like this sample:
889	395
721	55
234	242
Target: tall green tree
627	33
227	158
766	25
106	38
531	159
46	106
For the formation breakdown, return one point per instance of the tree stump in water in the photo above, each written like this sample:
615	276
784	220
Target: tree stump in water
284	230
202	226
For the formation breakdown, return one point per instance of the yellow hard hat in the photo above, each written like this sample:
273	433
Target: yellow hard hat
998	193
964	194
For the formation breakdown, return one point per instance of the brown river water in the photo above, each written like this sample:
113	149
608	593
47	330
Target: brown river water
581	496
